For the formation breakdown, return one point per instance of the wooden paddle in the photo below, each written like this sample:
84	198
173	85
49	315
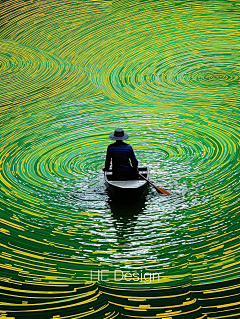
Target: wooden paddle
158	189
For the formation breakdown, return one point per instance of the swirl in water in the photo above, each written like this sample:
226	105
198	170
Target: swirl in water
165	72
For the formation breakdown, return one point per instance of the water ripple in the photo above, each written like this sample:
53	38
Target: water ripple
168	73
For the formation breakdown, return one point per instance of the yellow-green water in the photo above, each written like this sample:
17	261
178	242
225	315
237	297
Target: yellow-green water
168	73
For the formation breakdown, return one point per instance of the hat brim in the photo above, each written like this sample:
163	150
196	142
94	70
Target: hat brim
118	138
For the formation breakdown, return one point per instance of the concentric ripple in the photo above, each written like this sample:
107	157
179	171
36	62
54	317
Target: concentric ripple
168	73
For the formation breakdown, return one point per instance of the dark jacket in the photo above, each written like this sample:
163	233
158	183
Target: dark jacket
121	154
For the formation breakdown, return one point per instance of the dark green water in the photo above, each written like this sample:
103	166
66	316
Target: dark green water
168	72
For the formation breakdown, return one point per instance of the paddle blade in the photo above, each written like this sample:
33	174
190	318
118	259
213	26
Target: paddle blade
162	191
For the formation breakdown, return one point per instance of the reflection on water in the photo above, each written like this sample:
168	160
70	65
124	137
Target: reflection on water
125	218
119	209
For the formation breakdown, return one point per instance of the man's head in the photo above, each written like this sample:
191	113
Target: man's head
118	135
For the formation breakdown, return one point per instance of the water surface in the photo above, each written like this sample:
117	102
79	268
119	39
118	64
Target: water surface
168	73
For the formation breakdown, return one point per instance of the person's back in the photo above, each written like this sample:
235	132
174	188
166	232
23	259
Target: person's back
121	154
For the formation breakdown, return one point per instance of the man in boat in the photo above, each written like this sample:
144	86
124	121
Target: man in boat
121	154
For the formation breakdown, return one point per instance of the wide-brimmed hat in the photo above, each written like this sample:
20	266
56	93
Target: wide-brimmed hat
118	135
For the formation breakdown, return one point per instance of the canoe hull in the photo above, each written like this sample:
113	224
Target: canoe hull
129	190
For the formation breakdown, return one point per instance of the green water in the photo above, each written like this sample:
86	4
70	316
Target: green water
168	73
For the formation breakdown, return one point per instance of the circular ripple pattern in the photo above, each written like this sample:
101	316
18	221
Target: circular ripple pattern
73	73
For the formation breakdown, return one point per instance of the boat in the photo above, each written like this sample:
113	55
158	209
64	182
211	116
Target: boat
132	189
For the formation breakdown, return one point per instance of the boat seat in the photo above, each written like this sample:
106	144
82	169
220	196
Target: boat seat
141	172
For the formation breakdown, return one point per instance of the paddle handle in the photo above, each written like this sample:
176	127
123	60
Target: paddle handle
147	180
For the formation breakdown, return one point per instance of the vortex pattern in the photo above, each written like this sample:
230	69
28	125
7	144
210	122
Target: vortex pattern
168	72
